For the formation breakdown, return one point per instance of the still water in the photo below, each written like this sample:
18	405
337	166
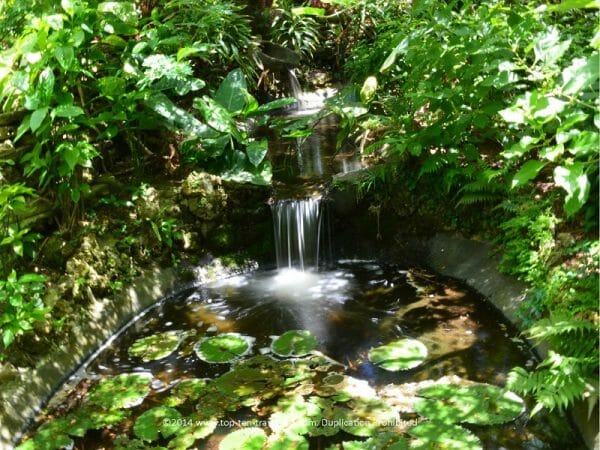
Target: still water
351	307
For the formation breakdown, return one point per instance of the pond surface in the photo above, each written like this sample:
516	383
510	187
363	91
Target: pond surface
349	308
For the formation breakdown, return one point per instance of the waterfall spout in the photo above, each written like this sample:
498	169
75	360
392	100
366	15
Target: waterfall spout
297	225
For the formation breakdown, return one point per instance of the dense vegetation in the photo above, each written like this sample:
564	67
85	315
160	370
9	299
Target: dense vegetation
492	108
489	108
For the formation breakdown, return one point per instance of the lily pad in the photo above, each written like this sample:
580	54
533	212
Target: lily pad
438	435
160	419
86	418
380	441
479	404
157	346
286	441
251	438
366	417
186	390
294	415
294	343
242	382
122	391
194	427
223	348
50	436
402	354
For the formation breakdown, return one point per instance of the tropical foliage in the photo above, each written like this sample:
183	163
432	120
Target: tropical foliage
493	107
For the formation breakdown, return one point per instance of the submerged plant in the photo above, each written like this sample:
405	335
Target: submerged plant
402	354
157	346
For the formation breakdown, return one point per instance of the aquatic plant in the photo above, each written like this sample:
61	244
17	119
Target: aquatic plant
479	404
223	348
122	391
157	346
402	354
251	438
160	419
294	343
437	435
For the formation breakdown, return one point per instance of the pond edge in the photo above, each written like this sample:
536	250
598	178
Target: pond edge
475	263
26	397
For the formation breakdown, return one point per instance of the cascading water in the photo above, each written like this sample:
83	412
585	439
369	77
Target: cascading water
296	88
297	224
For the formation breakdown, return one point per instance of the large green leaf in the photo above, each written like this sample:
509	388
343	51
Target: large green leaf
230	94
223	348
402	354
527	172
65	57
294	343
215	115
477	404
186	390
160	419
122	391
575	182
256	151
581	74
245	439
157	346
176	117
436	435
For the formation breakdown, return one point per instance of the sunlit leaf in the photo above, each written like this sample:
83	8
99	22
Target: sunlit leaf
527	172
223	348
244	439
160	419
402	354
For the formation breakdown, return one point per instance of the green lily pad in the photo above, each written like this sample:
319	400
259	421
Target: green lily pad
86	418
122	391
402	354
223	348
294	343
157	346
245	439
160	419
50	436
366	417
194	427
186	390
327	426
125	443
286	441
242	382
380	441
430	435
294	415
479	404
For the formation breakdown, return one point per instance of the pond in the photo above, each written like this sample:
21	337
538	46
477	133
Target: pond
349	309
336	354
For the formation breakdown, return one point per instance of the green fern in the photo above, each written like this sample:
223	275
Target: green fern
569	371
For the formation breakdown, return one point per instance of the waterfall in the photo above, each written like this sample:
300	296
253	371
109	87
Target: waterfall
297	225
296	89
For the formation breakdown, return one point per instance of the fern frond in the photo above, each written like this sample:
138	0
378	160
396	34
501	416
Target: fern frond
472	199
